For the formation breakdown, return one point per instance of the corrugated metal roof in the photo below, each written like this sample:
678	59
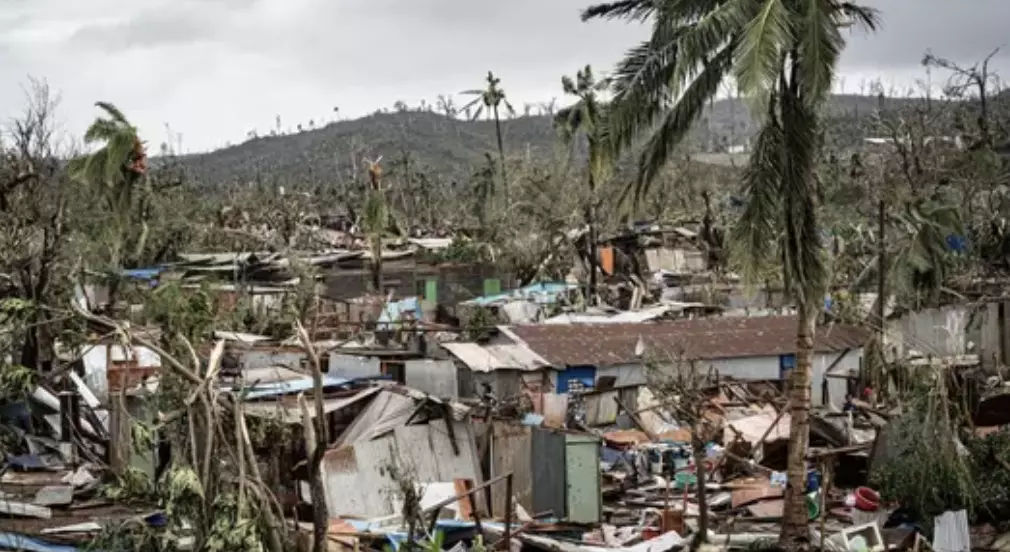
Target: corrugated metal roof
290	413
543	293
486	358
291	386
753	428
643	315
702	339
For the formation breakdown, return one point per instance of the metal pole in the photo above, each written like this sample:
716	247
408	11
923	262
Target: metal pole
66	416
508	513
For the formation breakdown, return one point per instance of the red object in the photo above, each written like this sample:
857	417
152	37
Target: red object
867	500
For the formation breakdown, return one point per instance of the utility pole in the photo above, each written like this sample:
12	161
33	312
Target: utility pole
881	263
881	255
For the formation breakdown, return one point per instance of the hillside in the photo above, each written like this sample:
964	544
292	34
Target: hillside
454	147
433	140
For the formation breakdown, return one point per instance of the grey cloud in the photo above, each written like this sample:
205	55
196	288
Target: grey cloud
961	31
145	31
182	22
216	68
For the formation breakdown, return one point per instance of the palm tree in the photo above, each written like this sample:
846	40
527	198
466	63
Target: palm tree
375	219
782	54
115	171
587	117
490	100
447	106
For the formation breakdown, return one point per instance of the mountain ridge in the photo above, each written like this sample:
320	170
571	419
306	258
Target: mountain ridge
452	147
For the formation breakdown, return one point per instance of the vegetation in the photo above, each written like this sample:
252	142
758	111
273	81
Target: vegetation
930	465
491	100
782	54
588	118
922	213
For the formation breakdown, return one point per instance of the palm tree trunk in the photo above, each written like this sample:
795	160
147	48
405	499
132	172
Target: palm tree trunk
501	156
592	250
698	448
794	526
375	241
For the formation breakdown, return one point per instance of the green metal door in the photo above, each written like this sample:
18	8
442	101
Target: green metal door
582	478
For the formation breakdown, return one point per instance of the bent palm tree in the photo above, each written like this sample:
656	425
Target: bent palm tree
588	117
782	54
115	171
490	100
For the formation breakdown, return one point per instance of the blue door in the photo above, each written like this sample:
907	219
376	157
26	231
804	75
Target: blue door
586	375
786	365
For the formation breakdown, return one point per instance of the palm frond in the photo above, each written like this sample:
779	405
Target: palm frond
473	92
759	55
756	233
637	10
821	45
101	130
803	252
568	85
118	150
867	19
114	112
678	120
699	36
76	168
567	121
473	102
90	170
685	35
641	89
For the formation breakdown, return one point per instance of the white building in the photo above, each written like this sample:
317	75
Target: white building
614	356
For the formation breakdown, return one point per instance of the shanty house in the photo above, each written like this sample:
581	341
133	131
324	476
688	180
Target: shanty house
400	429
505	368
760	348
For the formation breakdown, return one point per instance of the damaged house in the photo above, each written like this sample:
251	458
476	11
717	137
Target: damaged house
614	357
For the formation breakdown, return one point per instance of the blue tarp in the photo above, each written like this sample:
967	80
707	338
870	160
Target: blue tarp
533	419
143	273
14	541
395	538
544	293
957	243
394	310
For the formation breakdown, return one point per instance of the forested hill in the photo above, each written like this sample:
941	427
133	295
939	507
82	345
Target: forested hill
448	146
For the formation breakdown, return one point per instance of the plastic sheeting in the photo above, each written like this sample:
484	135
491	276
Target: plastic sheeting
14	541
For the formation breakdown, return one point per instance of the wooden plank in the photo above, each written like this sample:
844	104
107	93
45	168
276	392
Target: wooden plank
27	510
53	495
461	486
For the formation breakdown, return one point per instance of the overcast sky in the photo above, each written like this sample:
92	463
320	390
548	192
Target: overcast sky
215	69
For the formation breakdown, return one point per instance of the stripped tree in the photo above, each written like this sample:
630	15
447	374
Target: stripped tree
783	55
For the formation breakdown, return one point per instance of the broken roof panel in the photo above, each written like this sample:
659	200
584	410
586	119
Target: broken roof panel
702	339
765	424
386	412
619	317
289	412
486	358
543	293
260	390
